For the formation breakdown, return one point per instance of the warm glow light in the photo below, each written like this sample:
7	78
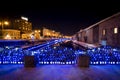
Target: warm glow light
38	30
6	23
115	30
7	36
35	31
104	32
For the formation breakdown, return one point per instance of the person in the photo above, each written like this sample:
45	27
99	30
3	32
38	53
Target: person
33	38
85	38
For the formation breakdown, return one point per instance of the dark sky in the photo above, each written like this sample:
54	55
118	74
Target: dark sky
66	17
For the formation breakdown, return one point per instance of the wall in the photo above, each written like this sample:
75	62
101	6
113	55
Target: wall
13	34
89	34
109	25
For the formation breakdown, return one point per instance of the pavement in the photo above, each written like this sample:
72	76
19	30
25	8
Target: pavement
86	45
60	72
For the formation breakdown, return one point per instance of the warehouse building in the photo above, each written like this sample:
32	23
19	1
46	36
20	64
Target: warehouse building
106	30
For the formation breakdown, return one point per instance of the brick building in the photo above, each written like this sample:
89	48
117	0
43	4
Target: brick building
107	29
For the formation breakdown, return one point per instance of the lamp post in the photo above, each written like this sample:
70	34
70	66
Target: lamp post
2	23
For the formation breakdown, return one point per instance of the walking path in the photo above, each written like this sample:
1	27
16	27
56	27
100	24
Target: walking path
86	45
60	72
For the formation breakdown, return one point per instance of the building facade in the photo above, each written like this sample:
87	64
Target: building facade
107	30
19	24
50	33
23	25
10	34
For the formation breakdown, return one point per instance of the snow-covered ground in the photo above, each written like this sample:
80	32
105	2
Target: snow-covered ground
60	72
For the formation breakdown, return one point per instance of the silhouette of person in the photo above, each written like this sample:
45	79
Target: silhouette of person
85	38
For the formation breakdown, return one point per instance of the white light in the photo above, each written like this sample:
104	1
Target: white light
58	62
66	62
16	49
115	30
41	62
24	18
93	50
113	62
53	62
50	62
102	62
96	62
45	62
73	62
69	62
105	62
114	49
91	62
32	53
117	62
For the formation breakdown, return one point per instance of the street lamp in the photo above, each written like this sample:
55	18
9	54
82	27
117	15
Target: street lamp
4	23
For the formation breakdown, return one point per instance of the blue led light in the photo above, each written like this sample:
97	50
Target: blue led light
60	55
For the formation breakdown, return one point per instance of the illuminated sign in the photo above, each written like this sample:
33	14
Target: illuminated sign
24	18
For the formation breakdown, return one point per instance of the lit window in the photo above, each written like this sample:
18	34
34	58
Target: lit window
104	32
115	30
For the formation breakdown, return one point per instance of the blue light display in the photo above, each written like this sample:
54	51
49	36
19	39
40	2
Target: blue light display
55	54
11	56
104	55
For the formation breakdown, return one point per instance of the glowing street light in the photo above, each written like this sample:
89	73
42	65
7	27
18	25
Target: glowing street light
4	23
37	31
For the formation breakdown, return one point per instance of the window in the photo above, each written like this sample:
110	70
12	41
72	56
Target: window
104	32
115	30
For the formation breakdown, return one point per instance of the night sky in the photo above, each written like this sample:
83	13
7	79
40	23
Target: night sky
65	17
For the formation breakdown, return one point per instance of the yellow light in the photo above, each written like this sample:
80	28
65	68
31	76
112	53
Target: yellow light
6	23
35	31
7	36
115	30
104	32
0	23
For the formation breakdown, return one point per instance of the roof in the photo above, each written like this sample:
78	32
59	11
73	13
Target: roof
102	20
